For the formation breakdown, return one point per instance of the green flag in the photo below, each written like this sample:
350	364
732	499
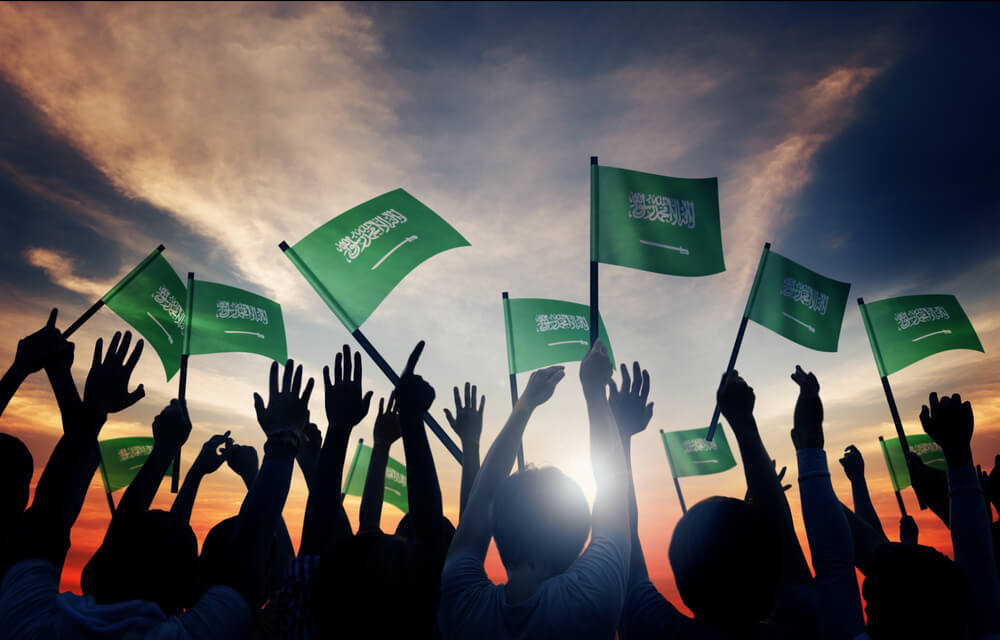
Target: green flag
797	303
655	223
690	454
395	478
542	332
910	328
151	299
356	259
225	319
920	444
121	459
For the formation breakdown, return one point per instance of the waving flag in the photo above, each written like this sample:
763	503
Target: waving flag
909	328
689	454
395	478
226	319
656	223
797	303
121	459
542	332
356	259
922	445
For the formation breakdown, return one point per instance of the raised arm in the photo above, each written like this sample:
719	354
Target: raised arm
387	431
346	405
468	424
930	485
949	421
171	429
242	459
827	529
414	397
33	353
854	469
473	533
209	459
736	400
283	420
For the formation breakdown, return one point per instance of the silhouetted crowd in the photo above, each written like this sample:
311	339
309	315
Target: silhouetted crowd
573	571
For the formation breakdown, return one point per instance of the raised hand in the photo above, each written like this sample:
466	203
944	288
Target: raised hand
596	369
387	429
286	410
242	459
908	530
808	430
949	422
853	463
735	399
541	386
628	405
211	457
171	428
467	421
41	348
413	395
346	402
781	475
106	390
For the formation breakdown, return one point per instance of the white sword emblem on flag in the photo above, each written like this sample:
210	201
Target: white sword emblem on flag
584	342
160	326
793	318
680	250
382	259
249	333
948	331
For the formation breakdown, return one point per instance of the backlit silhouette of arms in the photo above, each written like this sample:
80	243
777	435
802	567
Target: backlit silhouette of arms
468	424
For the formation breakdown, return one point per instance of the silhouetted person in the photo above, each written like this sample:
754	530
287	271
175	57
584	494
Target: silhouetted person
16	467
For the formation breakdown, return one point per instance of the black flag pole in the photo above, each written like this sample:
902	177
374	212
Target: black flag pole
739	338
94	308
594	312
677	484
513	377
182	380
888	463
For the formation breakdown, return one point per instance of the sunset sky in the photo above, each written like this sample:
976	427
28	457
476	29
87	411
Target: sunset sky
859	139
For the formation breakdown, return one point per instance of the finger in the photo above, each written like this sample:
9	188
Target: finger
636	379
123	347
297	381
933	400
451	420
392	401
258	407
51	323
357	367
98	346
134	358
626	379
925	416
307	392
347	364
366	403
381	407
482	406
644	393
286	376
113	346
851	449
272	386
468	392
338	368
411	362
458	399
472	405
135	396
326	377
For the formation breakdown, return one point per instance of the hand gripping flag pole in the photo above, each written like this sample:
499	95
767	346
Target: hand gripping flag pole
512	375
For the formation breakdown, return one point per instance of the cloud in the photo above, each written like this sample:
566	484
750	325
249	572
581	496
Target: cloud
61	270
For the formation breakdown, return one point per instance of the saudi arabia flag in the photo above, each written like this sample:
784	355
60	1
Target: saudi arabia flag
920	444
121	459
542	332
395	478
797	303
226	319
655	223
910	328
689	454
356	259
151	299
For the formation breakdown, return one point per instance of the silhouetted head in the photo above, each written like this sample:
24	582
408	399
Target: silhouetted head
915	592
541	518
724	554
375	585
16	467
148	556
214	561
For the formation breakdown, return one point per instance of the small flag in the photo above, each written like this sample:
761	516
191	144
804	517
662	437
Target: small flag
121	459
542	332
356	259
226	319
395	478
656	223
151	299
909	328
690	454
798	303
920	444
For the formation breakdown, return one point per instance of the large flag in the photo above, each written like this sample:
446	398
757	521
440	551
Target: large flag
920	444
151	299
542	332
395	478
356	259
121	459
656	223
797	303
691	455
224	319
910	328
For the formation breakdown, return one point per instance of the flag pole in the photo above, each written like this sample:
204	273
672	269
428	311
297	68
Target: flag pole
182	380
512	375
892	472
368	347
594	193
350	472
670	461
94	308
739	337
104	478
